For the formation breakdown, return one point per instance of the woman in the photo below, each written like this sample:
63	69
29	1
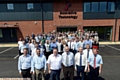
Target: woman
64	45
60	47
47	51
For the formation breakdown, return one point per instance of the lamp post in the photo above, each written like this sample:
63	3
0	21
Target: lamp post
116	19
42	16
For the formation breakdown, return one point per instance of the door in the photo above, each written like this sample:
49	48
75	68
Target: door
66	29
8	35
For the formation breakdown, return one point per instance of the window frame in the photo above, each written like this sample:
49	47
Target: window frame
29	6
108	7
92	7
100	7
10	6
86	9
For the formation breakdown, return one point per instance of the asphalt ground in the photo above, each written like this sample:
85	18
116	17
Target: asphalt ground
110	54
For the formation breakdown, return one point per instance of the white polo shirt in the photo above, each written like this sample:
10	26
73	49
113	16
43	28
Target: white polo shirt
55	62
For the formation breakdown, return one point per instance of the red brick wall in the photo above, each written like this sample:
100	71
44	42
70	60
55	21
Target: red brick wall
27	27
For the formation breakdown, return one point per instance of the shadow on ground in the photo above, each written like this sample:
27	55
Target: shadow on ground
75	78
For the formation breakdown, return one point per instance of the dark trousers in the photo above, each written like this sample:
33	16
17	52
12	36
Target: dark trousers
80	69
55	74
47	54
60	53
75	51
26	73
68	73
94	73
71	50
20	53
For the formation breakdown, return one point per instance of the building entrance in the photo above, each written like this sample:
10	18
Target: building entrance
8	35
67	28
104	32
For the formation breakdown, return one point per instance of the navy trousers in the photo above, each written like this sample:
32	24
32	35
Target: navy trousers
55	74
80	69
94	73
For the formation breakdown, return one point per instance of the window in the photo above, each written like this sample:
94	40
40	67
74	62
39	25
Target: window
111	6
10	6
87	7
94	7
30	6
99	6
103	6
1	35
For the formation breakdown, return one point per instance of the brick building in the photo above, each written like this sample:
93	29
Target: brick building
19	18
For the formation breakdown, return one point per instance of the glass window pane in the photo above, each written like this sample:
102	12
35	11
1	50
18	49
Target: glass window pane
94	6
111	6
87	7
30	6
103	6
10	6
1	35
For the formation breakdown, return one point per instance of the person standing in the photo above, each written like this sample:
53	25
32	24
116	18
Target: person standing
53	45
87	41
54	65
19	45
88	51
33	53
68	64
95	63
32	45
70	45
39	65
77	45
80	64
60	47
24	64
47	51
22	46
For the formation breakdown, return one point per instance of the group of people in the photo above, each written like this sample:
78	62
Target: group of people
58	52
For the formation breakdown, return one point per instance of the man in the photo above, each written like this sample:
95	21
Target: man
33	53
22	46
87	41
33	35
88	51
54	65
77	45
95	64
80	64
53	45
39	65
70	45
32	45
68	64
19	45
24	64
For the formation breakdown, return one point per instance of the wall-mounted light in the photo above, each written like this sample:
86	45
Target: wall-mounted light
16	24
5	24
35	22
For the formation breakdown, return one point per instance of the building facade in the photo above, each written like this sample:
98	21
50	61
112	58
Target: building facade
19	18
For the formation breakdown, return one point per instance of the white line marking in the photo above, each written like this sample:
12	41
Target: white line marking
113	47
16	57
6	50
